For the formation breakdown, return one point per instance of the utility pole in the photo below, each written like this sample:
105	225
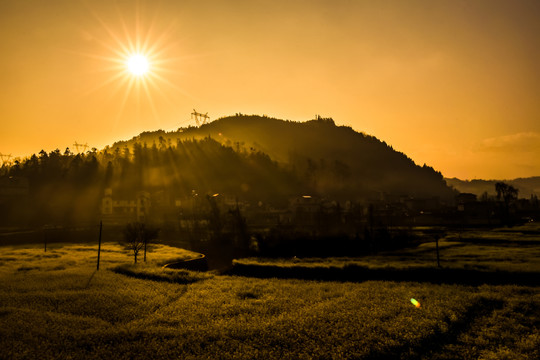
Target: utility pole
99	244
437	249
45	237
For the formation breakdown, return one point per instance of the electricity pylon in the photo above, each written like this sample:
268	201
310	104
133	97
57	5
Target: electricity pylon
5	158
199	117
82	146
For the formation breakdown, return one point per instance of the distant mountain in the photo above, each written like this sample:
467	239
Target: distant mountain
526	186
328	159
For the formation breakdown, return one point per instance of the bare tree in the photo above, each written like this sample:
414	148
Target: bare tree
137	236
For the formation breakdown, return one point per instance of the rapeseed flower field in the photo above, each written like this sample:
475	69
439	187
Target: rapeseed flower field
55	305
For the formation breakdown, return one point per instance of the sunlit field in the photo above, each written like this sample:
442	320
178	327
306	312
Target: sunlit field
506	249
55	304
70	256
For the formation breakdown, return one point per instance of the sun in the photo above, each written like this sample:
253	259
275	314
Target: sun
140	59
138	64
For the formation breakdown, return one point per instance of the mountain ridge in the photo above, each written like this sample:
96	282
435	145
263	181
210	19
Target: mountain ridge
526	186
335	159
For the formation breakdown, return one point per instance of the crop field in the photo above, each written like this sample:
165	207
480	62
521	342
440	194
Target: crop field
508	249
56	305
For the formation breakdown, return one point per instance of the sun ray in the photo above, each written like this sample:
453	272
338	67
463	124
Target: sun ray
150	31
163	95
176	87
112	34
143	74
164	80
137	28
105	83
122	85
130	46
161	39
151	100
127	92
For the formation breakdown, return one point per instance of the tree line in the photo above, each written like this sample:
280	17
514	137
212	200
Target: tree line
67	188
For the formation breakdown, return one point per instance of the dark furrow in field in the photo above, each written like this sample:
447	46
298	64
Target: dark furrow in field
511	329
171	300
431	347
416	252
495	241
355	273
179	278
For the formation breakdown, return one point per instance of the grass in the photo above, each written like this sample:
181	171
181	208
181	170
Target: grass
65	256
156	273
509	331
507	249
55	305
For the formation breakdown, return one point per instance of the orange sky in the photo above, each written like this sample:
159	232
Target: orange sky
454	84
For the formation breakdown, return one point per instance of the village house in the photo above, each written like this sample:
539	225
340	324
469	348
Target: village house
121	211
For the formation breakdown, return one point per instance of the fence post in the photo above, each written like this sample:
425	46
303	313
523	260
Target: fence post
99	244
437	247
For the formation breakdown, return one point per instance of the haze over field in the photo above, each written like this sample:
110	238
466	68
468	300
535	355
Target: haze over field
453	84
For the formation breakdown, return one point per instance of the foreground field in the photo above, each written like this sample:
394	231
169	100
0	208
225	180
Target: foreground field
55	305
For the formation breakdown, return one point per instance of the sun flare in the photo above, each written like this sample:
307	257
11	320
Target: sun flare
138	64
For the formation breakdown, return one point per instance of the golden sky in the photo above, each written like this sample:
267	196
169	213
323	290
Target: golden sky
454	84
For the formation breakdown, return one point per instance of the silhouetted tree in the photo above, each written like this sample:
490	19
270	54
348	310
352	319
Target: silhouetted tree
137	236
133	239
150	234
239	225
508	194
216	225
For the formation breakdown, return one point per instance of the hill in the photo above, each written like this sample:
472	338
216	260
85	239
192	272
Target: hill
245	158
328	159
526	186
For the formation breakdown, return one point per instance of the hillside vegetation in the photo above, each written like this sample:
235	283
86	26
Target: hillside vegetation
329	159
250	158
526	186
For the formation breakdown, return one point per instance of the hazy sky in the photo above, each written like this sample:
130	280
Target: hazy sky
454	84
